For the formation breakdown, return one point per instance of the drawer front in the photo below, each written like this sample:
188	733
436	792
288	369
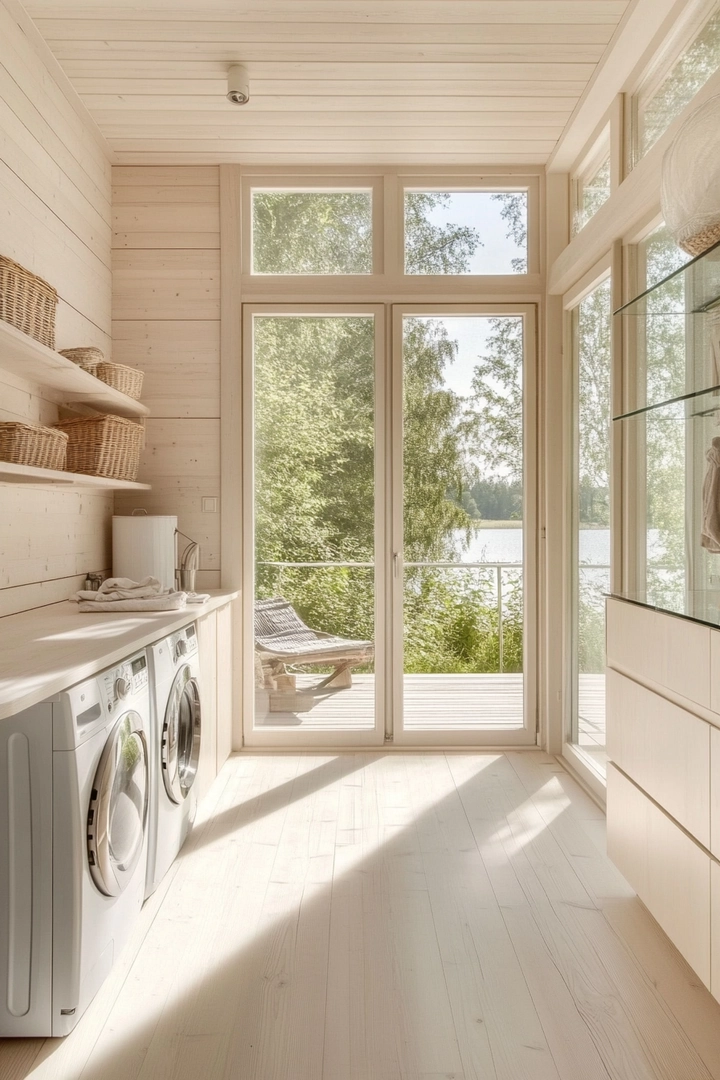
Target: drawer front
664	749
669	872
715	929
661	649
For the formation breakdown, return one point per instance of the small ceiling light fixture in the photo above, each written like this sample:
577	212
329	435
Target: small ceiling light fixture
238	91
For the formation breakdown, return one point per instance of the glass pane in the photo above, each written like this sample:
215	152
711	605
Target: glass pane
463	522
312	232
314	521
466	232
128	797
591	569
688	75
592	193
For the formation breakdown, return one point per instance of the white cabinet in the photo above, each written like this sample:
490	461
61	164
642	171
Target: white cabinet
664	749
666	650
224	680
668	870
207	646
215	644
663	797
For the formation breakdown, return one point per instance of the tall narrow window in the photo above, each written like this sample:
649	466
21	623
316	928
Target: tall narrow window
591	520
592	189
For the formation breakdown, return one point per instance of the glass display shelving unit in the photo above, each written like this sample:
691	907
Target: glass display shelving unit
670	439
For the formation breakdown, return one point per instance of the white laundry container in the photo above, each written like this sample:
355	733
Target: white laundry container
144	546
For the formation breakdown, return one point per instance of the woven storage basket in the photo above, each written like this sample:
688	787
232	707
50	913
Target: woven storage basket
128	380
103	446
33	444
88	359
27	302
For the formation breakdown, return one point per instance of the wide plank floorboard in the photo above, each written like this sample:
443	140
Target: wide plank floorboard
398	916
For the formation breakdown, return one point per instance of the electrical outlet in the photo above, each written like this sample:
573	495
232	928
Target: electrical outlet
209	504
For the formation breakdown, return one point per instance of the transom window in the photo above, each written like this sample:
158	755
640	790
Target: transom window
312	232
672	86
466	232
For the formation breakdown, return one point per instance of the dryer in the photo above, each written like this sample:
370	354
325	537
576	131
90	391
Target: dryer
175	741
73	845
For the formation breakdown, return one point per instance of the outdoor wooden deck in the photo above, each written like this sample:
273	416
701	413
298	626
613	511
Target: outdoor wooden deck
436	702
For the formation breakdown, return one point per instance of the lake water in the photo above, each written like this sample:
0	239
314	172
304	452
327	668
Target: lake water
505	546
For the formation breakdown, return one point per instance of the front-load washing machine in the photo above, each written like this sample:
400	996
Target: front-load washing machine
73	845
175	740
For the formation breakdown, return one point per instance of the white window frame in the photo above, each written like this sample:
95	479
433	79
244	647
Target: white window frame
599	150
606	268
303	182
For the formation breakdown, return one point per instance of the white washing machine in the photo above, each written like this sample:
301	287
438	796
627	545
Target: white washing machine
175	740
73	845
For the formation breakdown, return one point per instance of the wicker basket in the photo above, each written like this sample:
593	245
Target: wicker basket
104	446
88	359
27	302
33	444
128	380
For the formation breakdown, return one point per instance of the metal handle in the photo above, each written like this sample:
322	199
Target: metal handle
396	563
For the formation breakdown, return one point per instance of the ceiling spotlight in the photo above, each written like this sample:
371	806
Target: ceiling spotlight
238	91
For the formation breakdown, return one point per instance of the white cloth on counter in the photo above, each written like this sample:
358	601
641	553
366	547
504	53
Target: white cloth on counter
198	597
124	594
710	535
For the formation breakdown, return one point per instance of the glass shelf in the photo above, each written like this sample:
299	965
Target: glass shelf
672	332
673	544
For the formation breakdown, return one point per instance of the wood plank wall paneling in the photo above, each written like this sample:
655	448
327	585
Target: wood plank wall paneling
166	321
55	199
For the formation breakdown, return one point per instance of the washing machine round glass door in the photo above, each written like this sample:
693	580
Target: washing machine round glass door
181	736
118	806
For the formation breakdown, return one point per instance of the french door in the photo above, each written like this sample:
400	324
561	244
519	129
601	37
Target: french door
389	536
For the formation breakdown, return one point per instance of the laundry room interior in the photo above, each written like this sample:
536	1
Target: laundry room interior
359	539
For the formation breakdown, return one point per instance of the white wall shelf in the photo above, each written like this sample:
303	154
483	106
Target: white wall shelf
29	474
29	359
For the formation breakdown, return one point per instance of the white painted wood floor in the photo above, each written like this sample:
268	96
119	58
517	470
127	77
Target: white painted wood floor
378	917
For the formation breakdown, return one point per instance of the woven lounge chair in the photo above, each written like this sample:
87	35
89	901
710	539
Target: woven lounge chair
281	637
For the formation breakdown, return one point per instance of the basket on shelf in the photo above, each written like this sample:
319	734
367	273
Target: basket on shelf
103	446
33	444
87	359
27	302
128	380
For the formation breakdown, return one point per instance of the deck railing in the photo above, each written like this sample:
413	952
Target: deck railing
498	567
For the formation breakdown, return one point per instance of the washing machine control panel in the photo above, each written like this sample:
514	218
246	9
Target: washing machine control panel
184	643
120	682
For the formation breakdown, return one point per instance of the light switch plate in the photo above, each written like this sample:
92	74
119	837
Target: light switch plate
209	504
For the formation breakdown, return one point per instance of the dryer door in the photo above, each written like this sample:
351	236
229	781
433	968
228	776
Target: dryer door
181	736
118	806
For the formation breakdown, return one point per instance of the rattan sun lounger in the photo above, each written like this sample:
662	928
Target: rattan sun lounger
281	637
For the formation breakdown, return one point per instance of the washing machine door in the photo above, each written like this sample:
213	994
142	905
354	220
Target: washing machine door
181	736
118	806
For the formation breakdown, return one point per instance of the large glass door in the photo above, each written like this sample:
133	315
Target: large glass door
314	517
463	544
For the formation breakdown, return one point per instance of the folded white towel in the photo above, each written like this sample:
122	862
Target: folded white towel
198	597
174	601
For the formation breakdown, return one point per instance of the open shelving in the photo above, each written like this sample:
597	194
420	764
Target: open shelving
29	474
31	360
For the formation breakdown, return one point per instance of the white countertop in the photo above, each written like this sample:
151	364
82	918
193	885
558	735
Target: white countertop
51	648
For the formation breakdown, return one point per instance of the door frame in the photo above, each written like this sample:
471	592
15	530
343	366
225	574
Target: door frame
284	738
528	734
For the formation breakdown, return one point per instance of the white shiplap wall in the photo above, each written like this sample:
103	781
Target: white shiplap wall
54	219
166	321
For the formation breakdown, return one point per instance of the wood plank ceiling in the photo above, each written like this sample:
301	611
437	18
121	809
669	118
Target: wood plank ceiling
332	81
